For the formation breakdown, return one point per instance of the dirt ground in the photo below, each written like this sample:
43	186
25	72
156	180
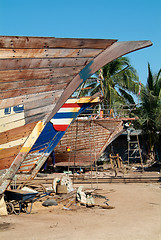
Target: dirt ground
136	216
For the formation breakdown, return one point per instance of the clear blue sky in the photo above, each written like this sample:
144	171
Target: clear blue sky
120	19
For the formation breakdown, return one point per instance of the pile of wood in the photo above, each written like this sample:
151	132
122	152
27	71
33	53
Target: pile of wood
68	200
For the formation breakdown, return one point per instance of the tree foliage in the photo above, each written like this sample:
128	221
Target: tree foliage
149	112
117	80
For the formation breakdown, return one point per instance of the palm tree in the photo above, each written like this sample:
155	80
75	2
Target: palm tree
117	80
149	112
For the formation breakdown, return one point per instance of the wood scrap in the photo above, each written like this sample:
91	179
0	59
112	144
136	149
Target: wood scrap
104	206
67	196
70	202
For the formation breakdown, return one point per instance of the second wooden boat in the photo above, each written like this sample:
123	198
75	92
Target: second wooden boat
87	139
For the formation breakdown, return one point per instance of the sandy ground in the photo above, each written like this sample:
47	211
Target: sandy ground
136	216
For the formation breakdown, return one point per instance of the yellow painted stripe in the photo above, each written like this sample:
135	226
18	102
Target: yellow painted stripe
87	99
33	136
82	100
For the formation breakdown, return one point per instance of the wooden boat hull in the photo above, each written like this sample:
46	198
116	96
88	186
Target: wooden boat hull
37	76
51	135
87	140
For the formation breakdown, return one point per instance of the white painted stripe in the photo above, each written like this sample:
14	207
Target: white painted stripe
9	126
11	118
72	100
11	111
64	121
76	109
13	143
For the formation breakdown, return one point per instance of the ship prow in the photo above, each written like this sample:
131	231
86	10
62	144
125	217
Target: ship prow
37	76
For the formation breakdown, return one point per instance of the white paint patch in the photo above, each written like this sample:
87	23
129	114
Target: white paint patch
13	143
64	121
11	118
9	126
74	109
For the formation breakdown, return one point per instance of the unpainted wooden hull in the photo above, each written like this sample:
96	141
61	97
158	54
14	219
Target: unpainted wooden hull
37	76
87	140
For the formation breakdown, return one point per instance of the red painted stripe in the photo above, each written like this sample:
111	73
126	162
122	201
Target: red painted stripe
31	161
70	105
27	165
60	127
24	170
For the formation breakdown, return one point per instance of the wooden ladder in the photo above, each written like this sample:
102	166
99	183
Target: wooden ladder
134	150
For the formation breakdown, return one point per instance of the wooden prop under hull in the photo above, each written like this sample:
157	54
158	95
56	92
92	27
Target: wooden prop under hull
87	140
37	76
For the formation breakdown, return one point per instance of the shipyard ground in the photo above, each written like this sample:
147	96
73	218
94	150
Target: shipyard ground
136	216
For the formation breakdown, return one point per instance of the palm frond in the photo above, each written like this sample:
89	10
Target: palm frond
150	111
150	81
127	96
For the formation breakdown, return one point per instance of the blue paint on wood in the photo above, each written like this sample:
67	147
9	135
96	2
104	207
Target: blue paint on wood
16	109
86	72
49	137
45	137
66	115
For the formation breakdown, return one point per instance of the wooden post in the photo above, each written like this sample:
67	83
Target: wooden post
140	153
118	161
95	154
75	148
111	162
90	151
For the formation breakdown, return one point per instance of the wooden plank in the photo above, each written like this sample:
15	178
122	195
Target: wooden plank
15	75
33	83
5	163
38	104
31	90
51	42
38	110
9	126
16	133
48	53
13	64
11	118
7	153
5	103
14	143
35	118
